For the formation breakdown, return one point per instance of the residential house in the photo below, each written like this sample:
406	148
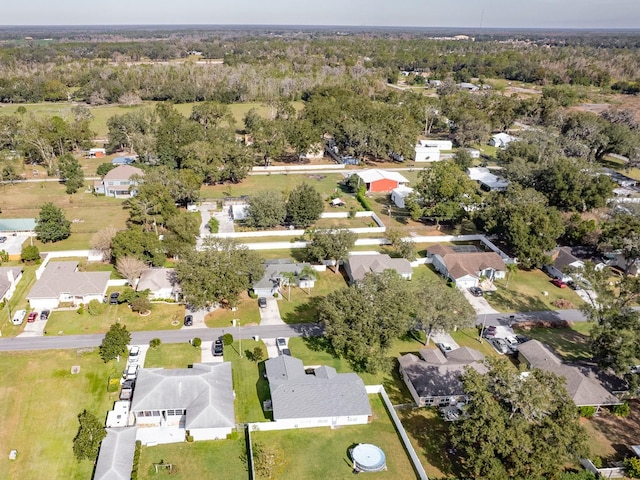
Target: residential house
561	260
168	403
583	390
61	282
357	266
381	180
318	397
487	180
119	182
275	276
115	459
468	86
473	152
96	153
9	278
429	150
501	140
399	194
618	259
161	283
433	378
464	265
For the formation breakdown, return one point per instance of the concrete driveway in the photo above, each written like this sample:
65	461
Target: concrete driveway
479	304
206	352
34	329
198	317
270	315
13	244
444	337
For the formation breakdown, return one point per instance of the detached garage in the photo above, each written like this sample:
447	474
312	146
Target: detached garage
381	180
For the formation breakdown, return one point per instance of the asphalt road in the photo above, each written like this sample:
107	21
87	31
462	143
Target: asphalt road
264	331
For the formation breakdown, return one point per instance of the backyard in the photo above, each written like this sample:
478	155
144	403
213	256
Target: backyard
39	403
329	448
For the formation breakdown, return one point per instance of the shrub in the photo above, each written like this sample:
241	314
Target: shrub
214	225
253	294
29	254
364	201
196	342
352	212
597	462
587	412
4	256
141	304
632	466
227	339
562	304
621	410
275	295
155	343
136	460
96	307
80	310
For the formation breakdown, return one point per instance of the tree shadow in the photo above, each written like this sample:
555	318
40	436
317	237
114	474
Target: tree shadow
262	389
319	344
306	312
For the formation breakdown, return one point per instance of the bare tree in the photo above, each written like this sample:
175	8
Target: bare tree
101	240
130	267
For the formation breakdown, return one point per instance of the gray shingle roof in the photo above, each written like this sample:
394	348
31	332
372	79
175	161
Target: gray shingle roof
156	279
460	264
61	277
123	173
583	390
435	375
5	283
205	391
295	394
274	270
115	459
358	266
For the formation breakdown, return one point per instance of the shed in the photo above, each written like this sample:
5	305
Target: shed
399	194
381	180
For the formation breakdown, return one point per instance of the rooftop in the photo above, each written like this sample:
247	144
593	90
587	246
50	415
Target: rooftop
123	172
466	263
374	174
63	277
156	279
115	459
360	265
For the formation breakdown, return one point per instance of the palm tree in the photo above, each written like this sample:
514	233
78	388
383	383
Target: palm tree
511	269
308	273
288	277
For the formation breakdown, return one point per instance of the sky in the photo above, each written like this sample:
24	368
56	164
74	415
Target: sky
420	13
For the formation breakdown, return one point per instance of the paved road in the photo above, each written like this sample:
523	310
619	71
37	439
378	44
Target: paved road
167	336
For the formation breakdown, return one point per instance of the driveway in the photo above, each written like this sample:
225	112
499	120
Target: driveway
270	315
13	244
444	337
34	329
198	317
206	348
479	304
142	356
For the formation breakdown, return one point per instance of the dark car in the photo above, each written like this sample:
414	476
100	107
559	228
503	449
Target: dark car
44	315
127	389
188	320
262	302
113	298
285	351
218	348
476	291
3	239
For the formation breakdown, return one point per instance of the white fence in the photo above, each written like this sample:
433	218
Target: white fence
615	472
298	168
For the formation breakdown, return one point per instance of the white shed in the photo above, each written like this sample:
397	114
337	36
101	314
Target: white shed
399	194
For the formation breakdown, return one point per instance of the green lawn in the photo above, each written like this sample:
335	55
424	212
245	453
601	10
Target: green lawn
69	322
39	404
17	302
215	459
524	293
247	314
572	344
172	355
322	453
249	384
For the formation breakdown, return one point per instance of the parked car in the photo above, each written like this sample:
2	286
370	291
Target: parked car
218	348
476	291
522	338
134	354
188	320
262	302
281	343
500	345
559	283
113	298
18	317
131	372
512	343
285	351
3	239
32	317
489	332
127	389
44	314
444	347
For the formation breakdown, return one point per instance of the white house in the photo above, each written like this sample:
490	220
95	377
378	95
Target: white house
487	180
61	282
439	144
275	277
433	379
501	140
464	266
9	278
429	150
161	283
562	259
320	398
168	403
119	182
399	194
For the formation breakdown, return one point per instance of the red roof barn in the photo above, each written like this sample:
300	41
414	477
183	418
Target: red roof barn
381	180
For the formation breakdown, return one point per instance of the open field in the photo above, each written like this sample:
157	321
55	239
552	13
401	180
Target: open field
39	404
524	293
172	355
69	322
209	460
328	448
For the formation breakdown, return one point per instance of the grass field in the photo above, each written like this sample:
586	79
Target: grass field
39	404
524	293
69	322
172	355
322	453
247	314
572	344
209	460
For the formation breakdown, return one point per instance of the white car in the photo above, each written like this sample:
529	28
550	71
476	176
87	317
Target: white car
281	343
130	373
134	354
18	317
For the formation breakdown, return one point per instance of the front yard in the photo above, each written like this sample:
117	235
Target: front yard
322	453
39	403
572	343
70	322
172	355
522	291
